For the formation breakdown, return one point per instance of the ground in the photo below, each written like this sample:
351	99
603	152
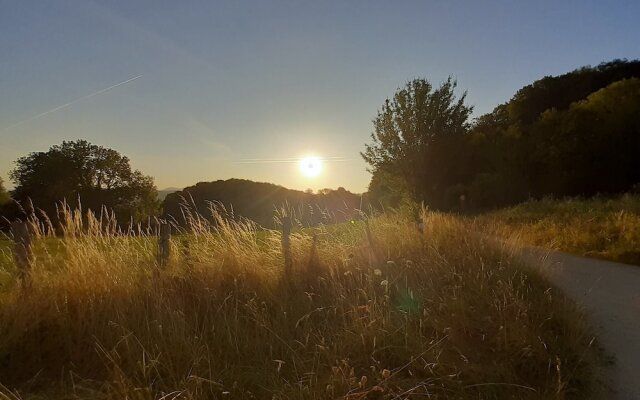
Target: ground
610	294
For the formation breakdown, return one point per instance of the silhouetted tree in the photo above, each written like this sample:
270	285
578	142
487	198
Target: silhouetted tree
78	171
593	146
4	195
559	92
417	136
388	190
569	135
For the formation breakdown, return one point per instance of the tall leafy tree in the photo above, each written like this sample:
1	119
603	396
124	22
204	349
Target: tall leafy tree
78	171
417	136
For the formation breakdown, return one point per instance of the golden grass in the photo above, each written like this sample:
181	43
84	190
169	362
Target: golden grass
601	228
444	315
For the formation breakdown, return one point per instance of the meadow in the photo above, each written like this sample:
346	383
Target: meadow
607	228
373	310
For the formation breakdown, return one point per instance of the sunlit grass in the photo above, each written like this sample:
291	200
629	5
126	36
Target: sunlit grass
602	228
393	314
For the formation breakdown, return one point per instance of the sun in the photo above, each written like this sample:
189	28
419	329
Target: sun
310	166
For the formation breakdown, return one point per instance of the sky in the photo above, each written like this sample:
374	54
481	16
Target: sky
191	90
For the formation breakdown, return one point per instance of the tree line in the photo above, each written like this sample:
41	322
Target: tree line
260	202
81	175
576	134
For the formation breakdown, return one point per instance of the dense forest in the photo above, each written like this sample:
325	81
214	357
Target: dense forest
576	134
261	202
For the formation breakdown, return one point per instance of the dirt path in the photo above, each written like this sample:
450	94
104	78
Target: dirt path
610	292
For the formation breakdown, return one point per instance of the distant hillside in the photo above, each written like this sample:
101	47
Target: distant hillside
559	92
162	194
258	201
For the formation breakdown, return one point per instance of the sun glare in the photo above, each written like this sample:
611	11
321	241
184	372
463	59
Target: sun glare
310	166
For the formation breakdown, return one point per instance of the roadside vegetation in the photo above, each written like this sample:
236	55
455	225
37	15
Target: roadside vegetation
389	314
607	228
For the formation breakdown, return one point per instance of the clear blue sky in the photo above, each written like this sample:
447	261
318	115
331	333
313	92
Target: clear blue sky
227	81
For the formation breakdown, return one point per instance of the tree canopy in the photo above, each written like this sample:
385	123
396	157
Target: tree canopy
593	146
82	173
571	135
559	92
415	138
577	134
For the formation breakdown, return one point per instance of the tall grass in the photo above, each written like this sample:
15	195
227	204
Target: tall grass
598	227
446	314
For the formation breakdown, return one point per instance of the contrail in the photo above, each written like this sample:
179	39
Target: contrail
288	160
24	121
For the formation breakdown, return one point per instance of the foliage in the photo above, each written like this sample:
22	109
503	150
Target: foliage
597	227
593	146
4	195
387	190
416	137
577	134
560	92
77	171
389	314
586	149
258	201
573	135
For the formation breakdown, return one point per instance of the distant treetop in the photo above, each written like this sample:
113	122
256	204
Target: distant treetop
259	201
87	175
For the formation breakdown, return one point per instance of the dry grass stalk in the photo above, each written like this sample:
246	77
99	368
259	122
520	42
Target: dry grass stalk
456	317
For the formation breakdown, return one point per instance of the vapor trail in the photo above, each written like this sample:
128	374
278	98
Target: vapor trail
288	160
24	121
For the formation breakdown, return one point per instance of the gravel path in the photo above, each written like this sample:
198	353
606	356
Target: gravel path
610	293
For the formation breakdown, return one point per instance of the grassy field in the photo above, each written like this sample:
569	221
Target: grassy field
602	228
390	315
